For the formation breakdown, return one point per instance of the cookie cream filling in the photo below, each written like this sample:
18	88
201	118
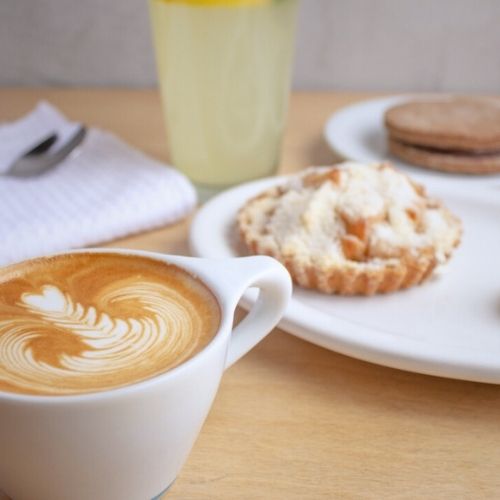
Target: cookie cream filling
355	213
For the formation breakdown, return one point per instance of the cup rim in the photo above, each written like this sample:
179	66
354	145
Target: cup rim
151	382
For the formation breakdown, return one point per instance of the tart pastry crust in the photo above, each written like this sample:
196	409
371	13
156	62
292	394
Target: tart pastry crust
351	229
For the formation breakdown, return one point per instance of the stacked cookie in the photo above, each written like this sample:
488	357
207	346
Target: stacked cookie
451	134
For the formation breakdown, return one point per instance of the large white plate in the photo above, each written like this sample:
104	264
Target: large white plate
357	133
449	326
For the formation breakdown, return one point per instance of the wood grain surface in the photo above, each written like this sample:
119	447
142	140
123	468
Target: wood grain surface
292	420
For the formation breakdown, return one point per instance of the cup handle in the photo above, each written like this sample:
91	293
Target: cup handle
275	288
231	278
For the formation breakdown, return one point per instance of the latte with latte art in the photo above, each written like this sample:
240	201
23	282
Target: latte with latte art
88	322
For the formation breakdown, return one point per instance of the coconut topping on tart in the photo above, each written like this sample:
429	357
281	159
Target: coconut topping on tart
351	228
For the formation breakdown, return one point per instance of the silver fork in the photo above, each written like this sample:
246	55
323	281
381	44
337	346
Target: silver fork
40	159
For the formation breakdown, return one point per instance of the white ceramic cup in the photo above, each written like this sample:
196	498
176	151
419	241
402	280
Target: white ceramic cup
130	443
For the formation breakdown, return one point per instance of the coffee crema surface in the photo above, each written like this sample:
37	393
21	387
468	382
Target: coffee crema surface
87	322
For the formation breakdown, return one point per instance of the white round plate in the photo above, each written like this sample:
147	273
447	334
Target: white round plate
449	326
357	133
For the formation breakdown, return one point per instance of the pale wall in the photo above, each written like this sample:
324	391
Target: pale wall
343	44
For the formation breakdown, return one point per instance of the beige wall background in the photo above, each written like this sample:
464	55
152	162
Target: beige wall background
424	45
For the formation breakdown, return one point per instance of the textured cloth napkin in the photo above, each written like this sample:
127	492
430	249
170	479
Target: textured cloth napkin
104	190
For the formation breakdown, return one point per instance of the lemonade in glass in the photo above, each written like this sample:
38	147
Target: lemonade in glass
224	71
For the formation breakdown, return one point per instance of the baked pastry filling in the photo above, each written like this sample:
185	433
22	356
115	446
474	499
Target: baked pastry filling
349	216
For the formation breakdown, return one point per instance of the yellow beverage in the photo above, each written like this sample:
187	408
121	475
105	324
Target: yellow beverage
224	71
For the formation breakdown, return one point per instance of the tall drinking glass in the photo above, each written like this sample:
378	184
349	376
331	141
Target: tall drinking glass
224	71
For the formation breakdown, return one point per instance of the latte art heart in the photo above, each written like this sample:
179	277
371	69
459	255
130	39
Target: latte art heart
134	324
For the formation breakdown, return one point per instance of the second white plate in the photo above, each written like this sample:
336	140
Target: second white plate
449	326
357	133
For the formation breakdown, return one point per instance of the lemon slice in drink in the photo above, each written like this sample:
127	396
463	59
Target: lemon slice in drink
219	3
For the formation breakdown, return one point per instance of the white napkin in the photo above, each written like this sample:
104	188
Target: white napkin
104	190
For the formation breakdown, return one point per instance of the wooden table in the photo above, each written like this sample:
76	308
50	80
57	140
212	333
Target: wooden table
292	420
